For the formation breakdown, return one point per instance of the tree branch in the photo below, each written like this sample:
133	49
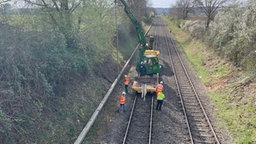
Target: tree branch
33	3
74	7
55	4
3	1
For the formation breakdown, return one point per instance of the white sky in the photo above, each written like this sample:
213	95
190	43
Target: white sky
151	3
161	3
168	3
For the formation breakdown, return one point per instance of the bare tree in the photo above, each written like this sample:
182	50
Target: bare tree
183	7
3	1
210	8
138	7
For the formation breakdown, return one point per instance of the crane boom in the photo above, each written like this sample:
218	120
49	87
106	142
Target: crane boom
147	63
138	27
140	33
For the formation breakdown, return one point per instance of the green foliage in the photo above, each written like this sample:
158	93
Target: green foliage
221	71
232	34
237	111
239	117
38	71
6	124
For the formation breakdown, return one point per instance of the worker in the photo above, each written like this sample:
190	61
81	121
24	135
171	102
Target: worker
160	99
159	88
150	62
126	83
147	46
122	102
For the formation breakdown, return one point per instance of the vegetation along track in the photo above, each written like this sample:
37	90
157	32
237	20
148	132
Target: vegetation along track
199	126
139	126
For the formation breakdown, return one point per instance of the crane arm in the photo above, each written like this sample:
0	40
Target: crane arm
147	62
138	27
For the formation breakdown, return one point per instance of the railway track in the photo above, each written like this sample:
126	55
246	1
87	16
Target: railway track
139	126
189	124
199	126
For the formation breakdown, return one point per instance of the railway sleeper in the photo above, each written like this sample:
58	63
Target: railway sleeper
139	124
192	105
134	136
195	126
203	130
184	86
187	92
199	125
190	99
199	119
132	142
141	131
204	135
192	111
197	115
199	141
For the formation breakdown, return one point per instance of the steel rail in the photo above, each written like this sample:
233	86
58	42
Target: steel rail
197	95
151	121
194	90
178	89
130	119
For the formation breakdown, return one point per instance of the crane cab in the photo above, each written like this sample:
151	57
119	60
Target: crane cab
150	64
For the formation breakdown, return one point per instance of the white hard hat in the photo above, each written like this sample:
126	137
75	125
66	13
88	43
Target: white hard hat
123	93
125	75
161	82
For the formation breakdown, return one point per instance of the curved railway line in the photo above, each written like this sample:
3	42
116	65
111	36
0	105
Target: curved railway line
183	118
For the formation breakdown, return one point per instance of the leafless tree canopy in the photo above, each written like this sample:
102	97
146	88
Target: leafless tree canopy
184	7
4	1
210	8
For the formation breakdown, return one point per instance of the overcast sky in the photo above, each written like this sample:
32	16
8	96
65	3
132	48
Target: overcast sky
151	3
161	3
167	3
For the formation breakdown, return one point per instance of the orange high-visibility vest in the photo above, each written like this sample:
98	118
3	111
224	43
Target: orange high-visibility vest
159	88
122	99
126	80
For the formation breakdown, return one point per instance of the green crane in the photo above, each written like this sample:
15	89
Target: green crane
147	63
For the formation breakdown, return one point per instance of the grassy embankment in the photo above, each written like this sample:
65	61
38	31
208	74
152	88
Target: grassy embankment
238	114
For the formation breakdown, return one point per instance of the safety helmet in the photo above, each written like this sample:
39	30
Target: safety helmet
123	93
161	82
125	75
